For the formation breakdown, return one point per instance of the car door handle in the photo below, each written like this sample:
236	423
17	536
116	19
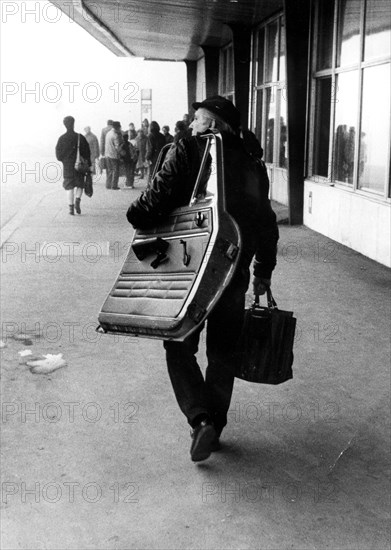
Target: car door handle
186	256
199	219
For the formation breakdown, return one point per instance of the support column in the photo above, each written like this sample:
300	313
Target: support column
212	58
191	69
242	56
297	21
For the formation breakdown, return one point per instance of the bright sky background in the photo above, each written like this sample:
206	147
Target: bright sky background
36	52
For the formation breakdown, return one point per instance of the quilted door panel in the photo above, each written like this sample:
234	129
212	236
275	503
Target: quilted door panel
146	293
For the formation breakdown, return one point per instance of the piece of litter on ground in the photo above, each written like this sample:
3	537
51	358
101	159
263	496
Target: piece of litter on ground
2	344
47	365
27	355
25	352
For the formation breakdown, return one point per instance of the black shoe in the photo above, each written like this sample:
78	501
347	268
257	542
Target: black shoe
203	436
77	206
71	210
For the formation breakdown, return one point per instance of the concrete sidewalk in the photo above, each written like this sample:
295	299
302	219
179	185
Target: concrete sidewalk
96	454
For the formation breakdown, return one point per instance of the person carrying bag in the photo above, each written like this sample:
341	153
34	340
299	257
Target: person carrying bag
73	151
82	166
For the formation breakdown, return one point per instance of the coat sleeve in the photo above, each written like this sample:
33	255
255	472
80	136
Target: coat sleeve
149	148
59	150
266	253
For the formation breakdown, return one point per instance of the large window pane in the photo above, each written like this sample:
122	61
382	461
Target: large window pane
348	32
224	70
322	127
272	53
283	134
377	28
345	126
375	128
325	34
260	55
270	125
258	116
282	51
230	70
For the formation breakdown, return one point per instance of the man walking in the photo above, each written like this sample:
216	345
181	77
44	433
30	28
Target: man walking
103	135
102	146
113	143
66	152
93	142
205	402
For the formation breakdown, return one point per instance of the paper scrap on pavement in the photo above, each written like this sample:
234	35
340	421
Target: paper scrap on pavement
47	365
25	352
2	344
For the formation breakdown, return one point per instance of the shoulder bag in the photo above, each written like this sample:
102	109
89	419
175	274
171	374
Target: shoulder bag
81	164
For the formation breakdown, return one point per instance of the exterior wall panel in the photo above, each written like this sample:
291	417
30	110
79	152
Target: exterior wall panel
350	219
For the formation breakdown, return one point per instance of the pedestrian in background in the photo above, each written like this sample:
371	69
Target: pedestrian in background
104	132
186	120
132	131
129	158
141	145
145	126
180	131
113	144
66	152
103	135
155	143
166	133
94	147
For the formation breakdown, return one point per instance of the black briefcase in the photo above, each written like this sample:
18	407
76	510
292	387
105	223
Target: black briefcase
266	344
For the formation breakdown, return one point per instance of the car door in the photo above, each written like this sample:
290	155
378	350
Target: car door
174	273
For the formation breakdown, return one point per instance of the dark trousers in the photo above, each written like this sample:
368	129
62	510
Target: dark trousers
212	395
112	169
129	171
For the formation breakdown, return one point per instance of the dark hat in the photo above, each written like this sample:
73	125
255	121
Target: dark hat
221	107
116	125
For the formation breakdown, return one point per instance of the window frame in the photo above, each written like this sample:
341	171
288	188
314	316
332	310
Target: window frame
334	71
224	72
278	87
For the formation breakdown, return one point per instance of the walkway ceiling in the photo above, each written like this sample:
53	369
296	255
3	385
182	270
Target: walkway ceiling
172	30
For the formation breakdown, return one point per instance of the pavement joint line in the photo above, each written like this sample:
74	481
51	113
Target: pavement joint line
12	225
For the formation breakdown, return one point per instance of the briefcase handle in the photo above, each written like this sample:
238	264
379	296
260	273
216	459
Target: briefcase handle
271	303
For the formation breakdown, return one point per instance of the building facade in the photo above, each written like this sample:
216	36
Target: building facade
312	81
